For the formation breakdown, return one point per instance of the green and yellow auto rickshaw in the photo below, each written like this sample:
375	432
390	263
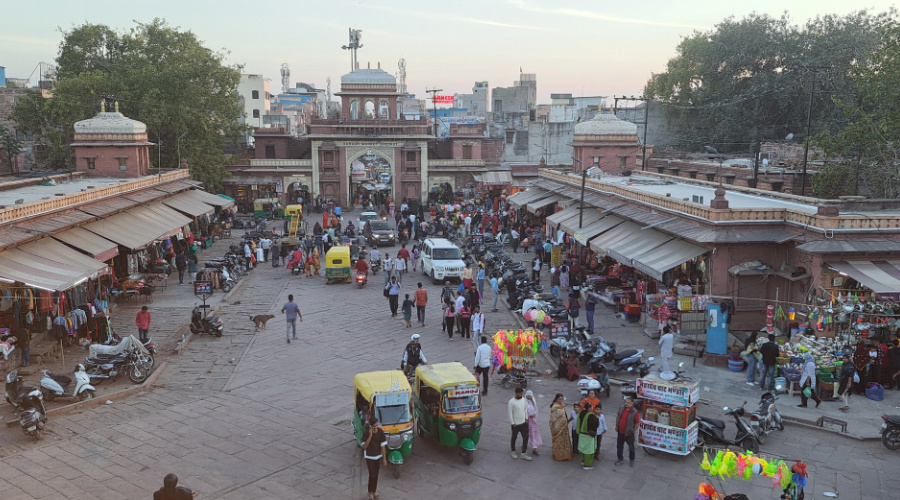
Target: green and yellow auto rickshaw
448	406
267	207
337	264
387	396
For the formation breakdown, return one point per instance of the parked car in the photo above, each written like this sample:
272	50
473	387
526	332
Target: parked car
379	233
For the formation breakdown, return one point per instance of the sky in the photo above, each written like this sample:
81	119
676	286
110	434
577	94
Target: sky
581	47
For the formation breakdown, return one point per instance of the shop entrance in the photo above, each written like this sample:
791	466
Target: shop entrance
371	179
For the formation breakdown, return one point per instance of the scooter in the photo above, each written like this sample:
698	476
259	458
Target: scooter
211	325
597	382
628	360
54	386
375	267
712	430
765	420
890	432
33	418
361	279
14	388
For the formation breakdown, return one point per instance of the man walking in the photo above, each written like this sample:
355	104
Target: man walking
180	265
483	358
291	312
393	289
666	344
400	267
266	244
627	421
495	287
23	341
518	420
477	323
446	298
420	298
769	352
388	266
536	265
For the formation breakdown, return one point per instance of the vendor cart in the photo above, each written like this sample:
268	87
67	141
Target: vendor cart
668	415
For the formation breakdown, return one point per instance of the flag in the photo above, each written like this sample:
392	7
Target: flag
520	69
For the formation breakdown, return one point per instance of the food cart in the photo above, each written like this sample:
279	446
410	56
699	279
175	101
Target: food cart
668	416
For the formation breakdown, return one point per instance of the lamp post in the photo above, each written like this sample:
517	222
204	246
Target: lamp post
583	181
719	156
158	156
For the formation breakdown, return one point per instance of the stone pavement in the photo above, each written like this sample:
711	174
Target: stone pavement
249	416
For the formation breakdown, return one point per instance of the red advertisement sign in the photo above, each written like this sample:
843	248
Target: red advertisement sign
443	99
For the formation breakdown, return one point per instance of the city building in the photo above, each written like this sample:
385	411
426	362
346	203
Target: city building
110	145
520	98
605	142
476	103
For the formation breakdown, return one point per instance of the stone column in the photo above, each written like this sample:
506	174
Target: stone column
315	186
423	171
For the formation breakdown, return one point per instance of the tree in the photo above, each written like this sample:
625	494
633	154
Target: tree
750	80
12	146
160	76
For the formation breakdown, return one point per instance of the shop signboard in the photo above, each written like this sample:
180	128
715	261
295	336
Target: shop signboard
673	393
559	329
667	438
477	239
556	256
203	289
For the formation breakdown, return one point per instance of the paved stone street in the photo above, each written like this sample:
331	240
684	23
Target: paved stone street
250	416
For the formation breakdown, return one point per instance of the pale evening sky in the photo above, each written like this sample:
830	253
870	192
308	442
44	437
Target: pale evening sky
582	47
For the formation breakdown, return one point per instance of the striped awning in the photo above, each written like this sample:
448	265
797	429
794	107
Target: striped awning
49	265
881	276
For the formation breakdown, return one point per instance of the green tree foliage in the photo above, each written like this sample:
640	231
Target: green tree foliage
749	80
11	145
160	76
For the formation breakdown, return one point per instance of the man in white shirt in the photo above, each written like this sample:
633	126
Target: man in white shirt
460	300
666	344
468	222
388	266
400	267
477	323
518	420
248	255
266	244
515	239
483	358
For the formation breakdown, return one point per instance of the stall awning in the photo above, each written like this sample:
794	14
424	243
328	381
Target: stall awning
591	216
531	194
186	204
587	233
563	215
882	276
496	178
666	256
136	228
534	206
646	240
619	234
210	199
163	217
48	264
100	248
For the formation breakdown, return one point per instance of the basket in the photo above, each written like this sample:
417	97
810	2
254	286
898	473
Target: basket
679	416
651	414
736	365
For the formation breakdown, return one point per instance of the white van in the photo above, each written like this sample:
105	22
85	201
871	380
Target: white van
441	260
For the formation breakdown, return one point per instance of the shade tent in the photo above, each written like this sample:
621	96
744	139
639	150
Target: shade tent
136	228
588	218
94	245
882	276
625	231
497	178
644	241
558	217
188	204
220	201
525	197
667	256
536	205
48	264
589	232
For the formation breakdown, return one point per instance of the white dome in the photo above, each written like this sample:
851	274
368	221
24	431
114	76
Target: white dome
369	77
605	124
110	123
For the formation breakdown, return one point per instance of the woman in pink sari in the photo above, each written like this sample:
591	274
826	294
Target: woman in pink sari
534	433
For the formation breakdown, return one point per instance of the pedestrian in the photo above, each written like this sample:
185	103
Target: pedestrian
561	446
627	421
573	419
266	244
894	356
407	310
517	411
420	298
848	377
142	320
465	320
573	306
536	265
276	253
400	267
769	352
291	313
248	255
601	428
467	276
751	356
590	306
524	245
479	277
483	360
260	255
514	239
534	431
458	303
414	257
666	344
477	323
388	266
374	444
393	295
171	490
495	288
564	277
403	255
23	341
587	435
180	265
285	251
449	319
808	381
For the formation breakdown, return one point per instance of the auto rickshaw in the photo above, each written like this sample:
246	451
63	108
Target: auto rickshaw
267	207
386	395
448	406
293	210
337	264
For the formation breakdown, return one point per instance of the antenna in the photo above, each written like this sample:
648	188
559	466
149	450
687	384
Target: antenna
328	89
354	44
285	77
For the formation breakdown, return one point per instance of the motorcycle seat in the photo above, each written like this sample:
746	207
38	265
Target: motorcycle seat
893	419
103	360
62	379
627	353
715	422
590	375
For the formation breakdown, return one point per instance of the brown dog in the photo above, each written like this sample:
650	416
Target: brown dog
261	319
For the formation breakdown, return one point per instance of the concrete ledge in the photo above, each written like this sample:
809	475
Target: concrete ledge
98	400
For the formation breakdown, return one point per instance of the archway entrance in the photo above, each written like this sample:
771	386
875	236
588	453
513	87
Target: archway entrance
371	179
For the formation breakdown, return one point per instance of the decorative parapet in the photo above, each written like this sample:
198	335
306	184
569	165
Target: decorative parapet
455	163
281	163
42	207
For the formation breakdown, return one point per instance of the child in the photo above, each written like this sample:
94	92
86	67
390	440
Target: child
308	266
316	262
407	310
598	410
573	417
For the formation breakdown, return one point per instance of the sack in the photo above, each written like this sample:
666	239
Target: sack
387	291
875	391
855	377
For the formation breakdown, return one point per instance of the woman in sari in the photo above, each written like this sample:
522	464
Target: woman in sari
587	436
534	432
559	429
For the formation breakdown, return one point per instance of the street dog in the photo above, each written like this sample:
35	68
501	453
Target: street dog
260	320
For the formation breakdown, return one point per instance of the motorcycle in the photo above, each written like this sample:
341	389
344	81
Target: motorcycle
109	367
890	432
114	345
54	386
375	267
765	420
627	360
361	279
211	325
712	430
33	418
14	389
597	382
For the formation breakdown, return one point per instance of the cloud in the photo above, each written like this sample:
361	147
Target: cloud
523	5
459	19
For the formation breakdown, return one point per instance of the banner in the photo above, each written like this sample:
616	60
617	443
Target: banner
673	393
443	99
666	438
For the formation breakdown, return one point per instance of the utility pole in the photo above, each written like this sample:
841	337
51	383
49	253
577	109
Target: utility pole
159	156
815	71
583	182
646	102
433	93
178	146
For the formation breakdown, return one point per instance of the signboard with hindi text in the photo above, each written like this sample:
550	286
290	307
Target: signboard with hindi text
667	438
674	393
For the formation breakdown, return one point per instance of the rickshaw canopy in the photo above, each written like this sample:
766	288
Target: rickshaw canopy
370	383
292	210
270	201
444	375
338	257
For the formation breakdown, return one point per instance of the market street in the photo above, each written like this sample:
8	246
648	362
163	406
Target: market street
250	416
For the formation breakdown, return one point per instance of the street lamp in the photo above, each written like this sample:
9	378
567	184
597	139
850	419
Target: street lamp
719	156
583	181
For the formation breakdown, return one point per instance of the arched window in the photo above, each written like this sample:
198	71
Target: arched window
354	110
370	110
383	109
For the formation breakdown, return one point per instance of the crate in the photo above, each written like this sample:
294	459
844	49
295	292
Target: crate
679	416
633	310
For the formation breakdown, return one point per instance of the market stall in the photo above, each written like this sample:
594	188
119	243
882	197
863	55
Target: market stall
668	415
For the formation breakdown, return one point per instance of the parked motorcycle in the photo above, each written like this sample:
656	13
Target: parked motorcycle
361	279
765	420
712	430
210	325
33	418
628	360
14	388
109	367
890	432
54	386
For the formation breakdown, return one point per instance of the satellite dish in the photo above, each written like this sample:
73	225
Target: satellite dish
789	137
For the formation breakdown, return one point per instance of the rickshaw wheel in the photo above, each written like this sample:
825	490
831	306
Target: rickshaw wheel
395	470
468	457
